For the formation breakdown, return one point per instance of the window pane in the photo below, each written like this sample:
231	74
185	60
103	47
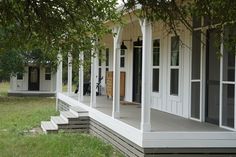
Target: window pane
155	80
174	82
195	100
196	22
47	76
228	105
175	51
122	62
156	52
196	54
107	57
122	52
229	55
100	58
19	76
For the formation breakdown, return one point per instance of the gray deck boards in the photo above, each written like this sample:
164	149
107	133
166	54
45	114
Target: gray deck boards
160	121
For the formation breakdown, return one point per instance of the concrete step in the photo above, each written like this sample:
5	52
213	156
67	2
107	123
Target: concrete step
58	120
48	127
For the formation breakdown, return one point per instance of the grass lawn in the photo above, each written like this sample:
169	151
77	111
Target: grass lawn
18	117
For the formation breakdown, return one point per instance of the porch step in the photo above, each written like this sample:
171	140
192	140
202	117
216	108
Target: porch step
78	111
49	127
57	120
68	115
76	119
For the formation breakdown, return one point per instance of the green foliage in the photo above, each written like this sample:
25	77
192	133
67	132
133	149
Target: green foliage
216	13
54	26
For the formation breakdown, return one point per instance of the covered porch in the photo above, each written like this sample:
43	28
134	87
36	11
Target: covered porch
167	131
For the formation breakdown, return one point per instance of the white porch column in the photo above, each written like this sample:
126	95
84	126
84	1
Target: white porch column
146	28
94	67
81	77
59	78
69	82
116	72
59	73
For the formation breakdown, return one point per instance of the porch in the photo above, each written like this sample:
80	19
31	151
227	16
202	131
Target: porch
166	130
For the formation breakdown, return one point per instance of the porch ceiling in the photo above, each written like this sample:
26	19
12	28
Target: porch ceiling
160	121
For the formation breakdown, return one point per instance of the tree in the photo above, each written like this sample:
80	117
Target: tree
219	14
52	26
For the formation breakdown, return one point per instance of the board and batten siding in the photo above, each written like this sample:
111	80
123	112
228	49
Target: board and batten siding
163	100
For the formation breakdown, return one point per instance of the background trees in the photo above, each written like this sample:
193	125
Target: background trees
50	26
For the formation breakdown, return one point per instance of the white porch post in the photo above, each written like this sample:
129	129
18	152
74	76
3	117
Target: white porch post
69	82
93	78
116	72
146	28
59	78
81	77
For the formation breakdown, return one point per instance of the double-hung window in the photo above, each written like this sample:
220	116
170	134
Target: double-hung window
174	66
156	65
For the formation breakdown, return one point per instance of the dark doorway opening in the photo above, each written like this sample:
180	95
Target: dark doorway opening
212	77
33	78
137	71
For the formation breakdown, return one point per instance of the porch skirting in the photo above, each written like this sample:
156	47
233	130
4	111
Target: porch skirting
128	148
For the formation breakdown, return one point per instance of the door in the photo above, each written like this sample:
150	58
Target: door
33	78
212	77
137	72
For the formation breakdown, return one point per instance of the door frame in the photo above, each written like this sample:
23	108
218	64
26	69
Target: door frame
38	84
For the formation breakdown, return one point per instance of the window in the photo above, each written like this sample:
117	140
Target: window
100	60
174	66
19	76
122	58
47	73
107	56
196	74
155	65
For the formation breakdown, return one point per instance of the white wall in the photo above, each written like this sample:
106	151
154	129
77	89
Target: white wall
178	105
44	85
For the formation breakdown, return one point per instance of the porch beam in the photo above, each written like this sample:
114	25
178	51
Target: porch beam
94	66
69	81
81	77
117	30
146	28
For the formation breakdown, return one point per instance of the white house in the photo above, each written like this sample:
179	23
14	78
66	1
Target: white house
186	93
35	81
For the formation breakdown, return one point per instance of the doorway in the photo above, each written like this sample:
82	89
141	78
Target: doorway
33	79
212	78
137	71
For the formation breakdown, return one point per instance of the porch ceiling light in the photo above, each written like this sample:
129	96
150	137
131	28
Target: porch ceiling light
122	46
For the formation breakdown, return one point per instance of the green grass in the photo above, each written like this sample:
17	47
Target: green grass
4	87
19	115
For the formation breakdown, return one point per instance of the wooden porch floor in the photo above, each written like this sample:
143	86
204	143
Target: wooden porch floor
160	121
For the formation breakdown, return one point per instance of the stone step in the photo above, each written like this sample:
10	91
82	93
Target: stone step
58	120
49	127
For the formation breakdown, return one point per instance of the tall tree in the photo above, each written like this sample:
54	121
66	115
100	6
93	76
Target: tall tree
52	26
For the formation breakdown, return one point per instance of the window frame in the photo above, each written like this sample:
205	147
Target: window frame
48	74
174	67
156	67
